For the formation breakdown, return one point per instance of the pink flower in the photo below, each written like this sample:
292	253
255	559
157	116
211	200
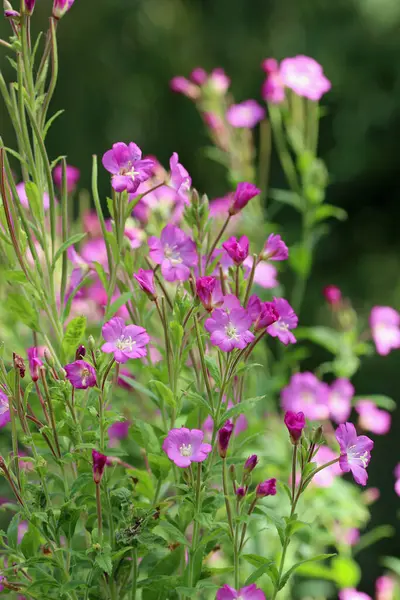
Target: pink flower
125	341
229	326
275	248
224	435
385	588
119	430
273	90
372	418
333	295
29	6
355	452
250	592
145	279
243	194
181	85
60	7
4	409
307	394
175	252
23	198
127	167
250	463
180	178
184	446
81	375
341	393
287	320
263	314
385	322
295	423
265	273
353	594
238	250
266	488
304	76
73	175
99	462
209	292
218	81
199	76
245	114
34	362
326	477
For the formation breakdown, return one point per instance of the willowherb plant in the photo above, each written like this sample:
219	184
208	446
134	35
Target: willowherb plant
143	443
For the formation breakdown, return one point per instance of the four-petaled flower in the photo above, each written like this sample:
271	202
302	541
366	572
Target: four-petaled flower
341	393
385	326
175	252
125	341
4	409
306	393
229	326
128	168
355	452
275	248
287	320
184	446
81	374
250	592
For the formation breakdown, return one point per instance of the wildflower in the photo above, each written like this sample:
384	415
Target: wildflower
274	249
224	435
198	76
304	76
145	279
175	252
245	114
273	89
326	476
125	341
333	295
307	394
4	409
72	173
355	452
60	7
21	530
181	85
23	198
128	168
287	320
238	250
353	594
209	292
266	488
385	588
229	326
397	477
180	178
240	492
341	393
34	362
250	592
250	463
372	418
184	446
29	5
385	326
99	462
218	81
244	193
264	275
80	352
263	314
119	430
295	422
81	375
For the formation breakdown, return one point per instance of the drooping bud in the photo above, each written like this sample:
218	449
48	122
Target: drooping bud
9	12
250	464
60	7
80	353
145	279
34	362
224	435
244	193
295	422
99	462
266	488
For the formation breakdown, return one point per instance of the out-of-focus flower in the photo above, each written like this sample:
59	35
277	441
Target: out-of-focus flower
218	81
180	178
304	76
229	326
263	314
355	452
385	326
250	463
224	435
326	477
60	7
353	594
307	394
243	194
81	374
29	6
145	279
209	292
119	430
73	175
99	462
266	488
199	76
264	275
333	295
238	250
250	592
245	114
372	418
127	167
397	482
184	446
287	320
341	393
175	252
273	89
22	529
385	588
124	341
4	409
274	249
181	85
345	535
34	362
295	423
21	191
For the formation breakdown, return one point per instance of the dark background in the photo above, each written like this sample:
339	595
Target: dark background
116	60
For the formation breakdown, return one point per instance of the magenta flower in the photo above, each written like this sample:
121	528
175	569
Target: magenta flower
60	7
263	314
353	594
209	292
229	326
385	588
266	488
304	76
238	250
73	175
287	320
275	248
124	341
184	446
305	393
224	435
372	418
341	393
34	362
127	166
295	423
245	114
250	592
4	409
119	430
218	81
199	76
81	375
355	452
23	198
9	13
181	85
273	90
326	477
145	279
385	326
333	295
244	193
175	252
265	273
29	6
180	178
250	463
99	462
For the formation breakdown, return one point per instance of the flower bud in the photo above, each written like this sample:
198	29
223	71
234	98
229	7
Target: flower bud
238	250
91	343
333	295
145	279
99	462
9	12
19	364
240	493
29	5
295	422
80	353
244	193
318	435
60	7
266	488
250	464
232	473
224	435
209	292
48	357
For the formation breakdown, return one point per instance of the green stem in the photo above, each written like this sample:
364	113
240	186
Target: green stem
134	573
99	513
196	526
219	236
226	496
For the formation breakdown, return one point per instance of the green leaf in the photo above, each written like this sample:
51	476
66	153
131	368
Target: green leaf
378	399
102	275
170	533
164	392
198	399
287	197
392	563
346	571
373	536
12	532
20	307
240	408
30	542
255	559
104	562
300	258
325	211
51	121
160	465
214	369
73	334
168	564
292	569
119	302
80	483
328	338
176	331
75	239
14	276
144	436
268	568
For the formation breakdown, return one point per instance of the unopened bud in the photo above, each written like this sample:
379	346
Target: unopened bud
240	493
80	352
19	364
266	488
48	357
232	473
318	435
224	435
250	464
91	343
99	462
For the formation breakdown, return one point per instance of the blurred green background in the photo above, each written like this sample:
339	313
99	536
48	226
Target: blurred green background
116	60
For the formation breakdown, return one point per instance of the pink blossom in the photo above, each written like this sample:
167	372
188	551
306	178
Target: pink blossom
245	114
295	423
175	252
124	341
135	235
180	178
145	279
372	418
99	462
94	251
127	167
263	314
119	430
304	76
34	362
60	7
161	200
385	326
327	476
287	320
209	292
229	326
219	207
218	81
81	374
181	85
266	488
72	173
341	393
4	409
184	446
264	275
353	594
199	76
250	592
244	193
275	248
385	588
345	535
273	89
307	394
238	250
355	452
333	295
23	198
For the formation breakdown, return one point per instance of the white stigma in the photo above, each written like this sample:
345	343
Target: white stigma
186	450
84	375
231	332
125	343
172	254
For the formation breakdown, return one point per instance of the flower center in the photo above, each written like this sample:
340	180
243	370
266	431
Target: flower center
353	453
307	397
186	450
125	343
282	325
84	375
231	332
172	254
